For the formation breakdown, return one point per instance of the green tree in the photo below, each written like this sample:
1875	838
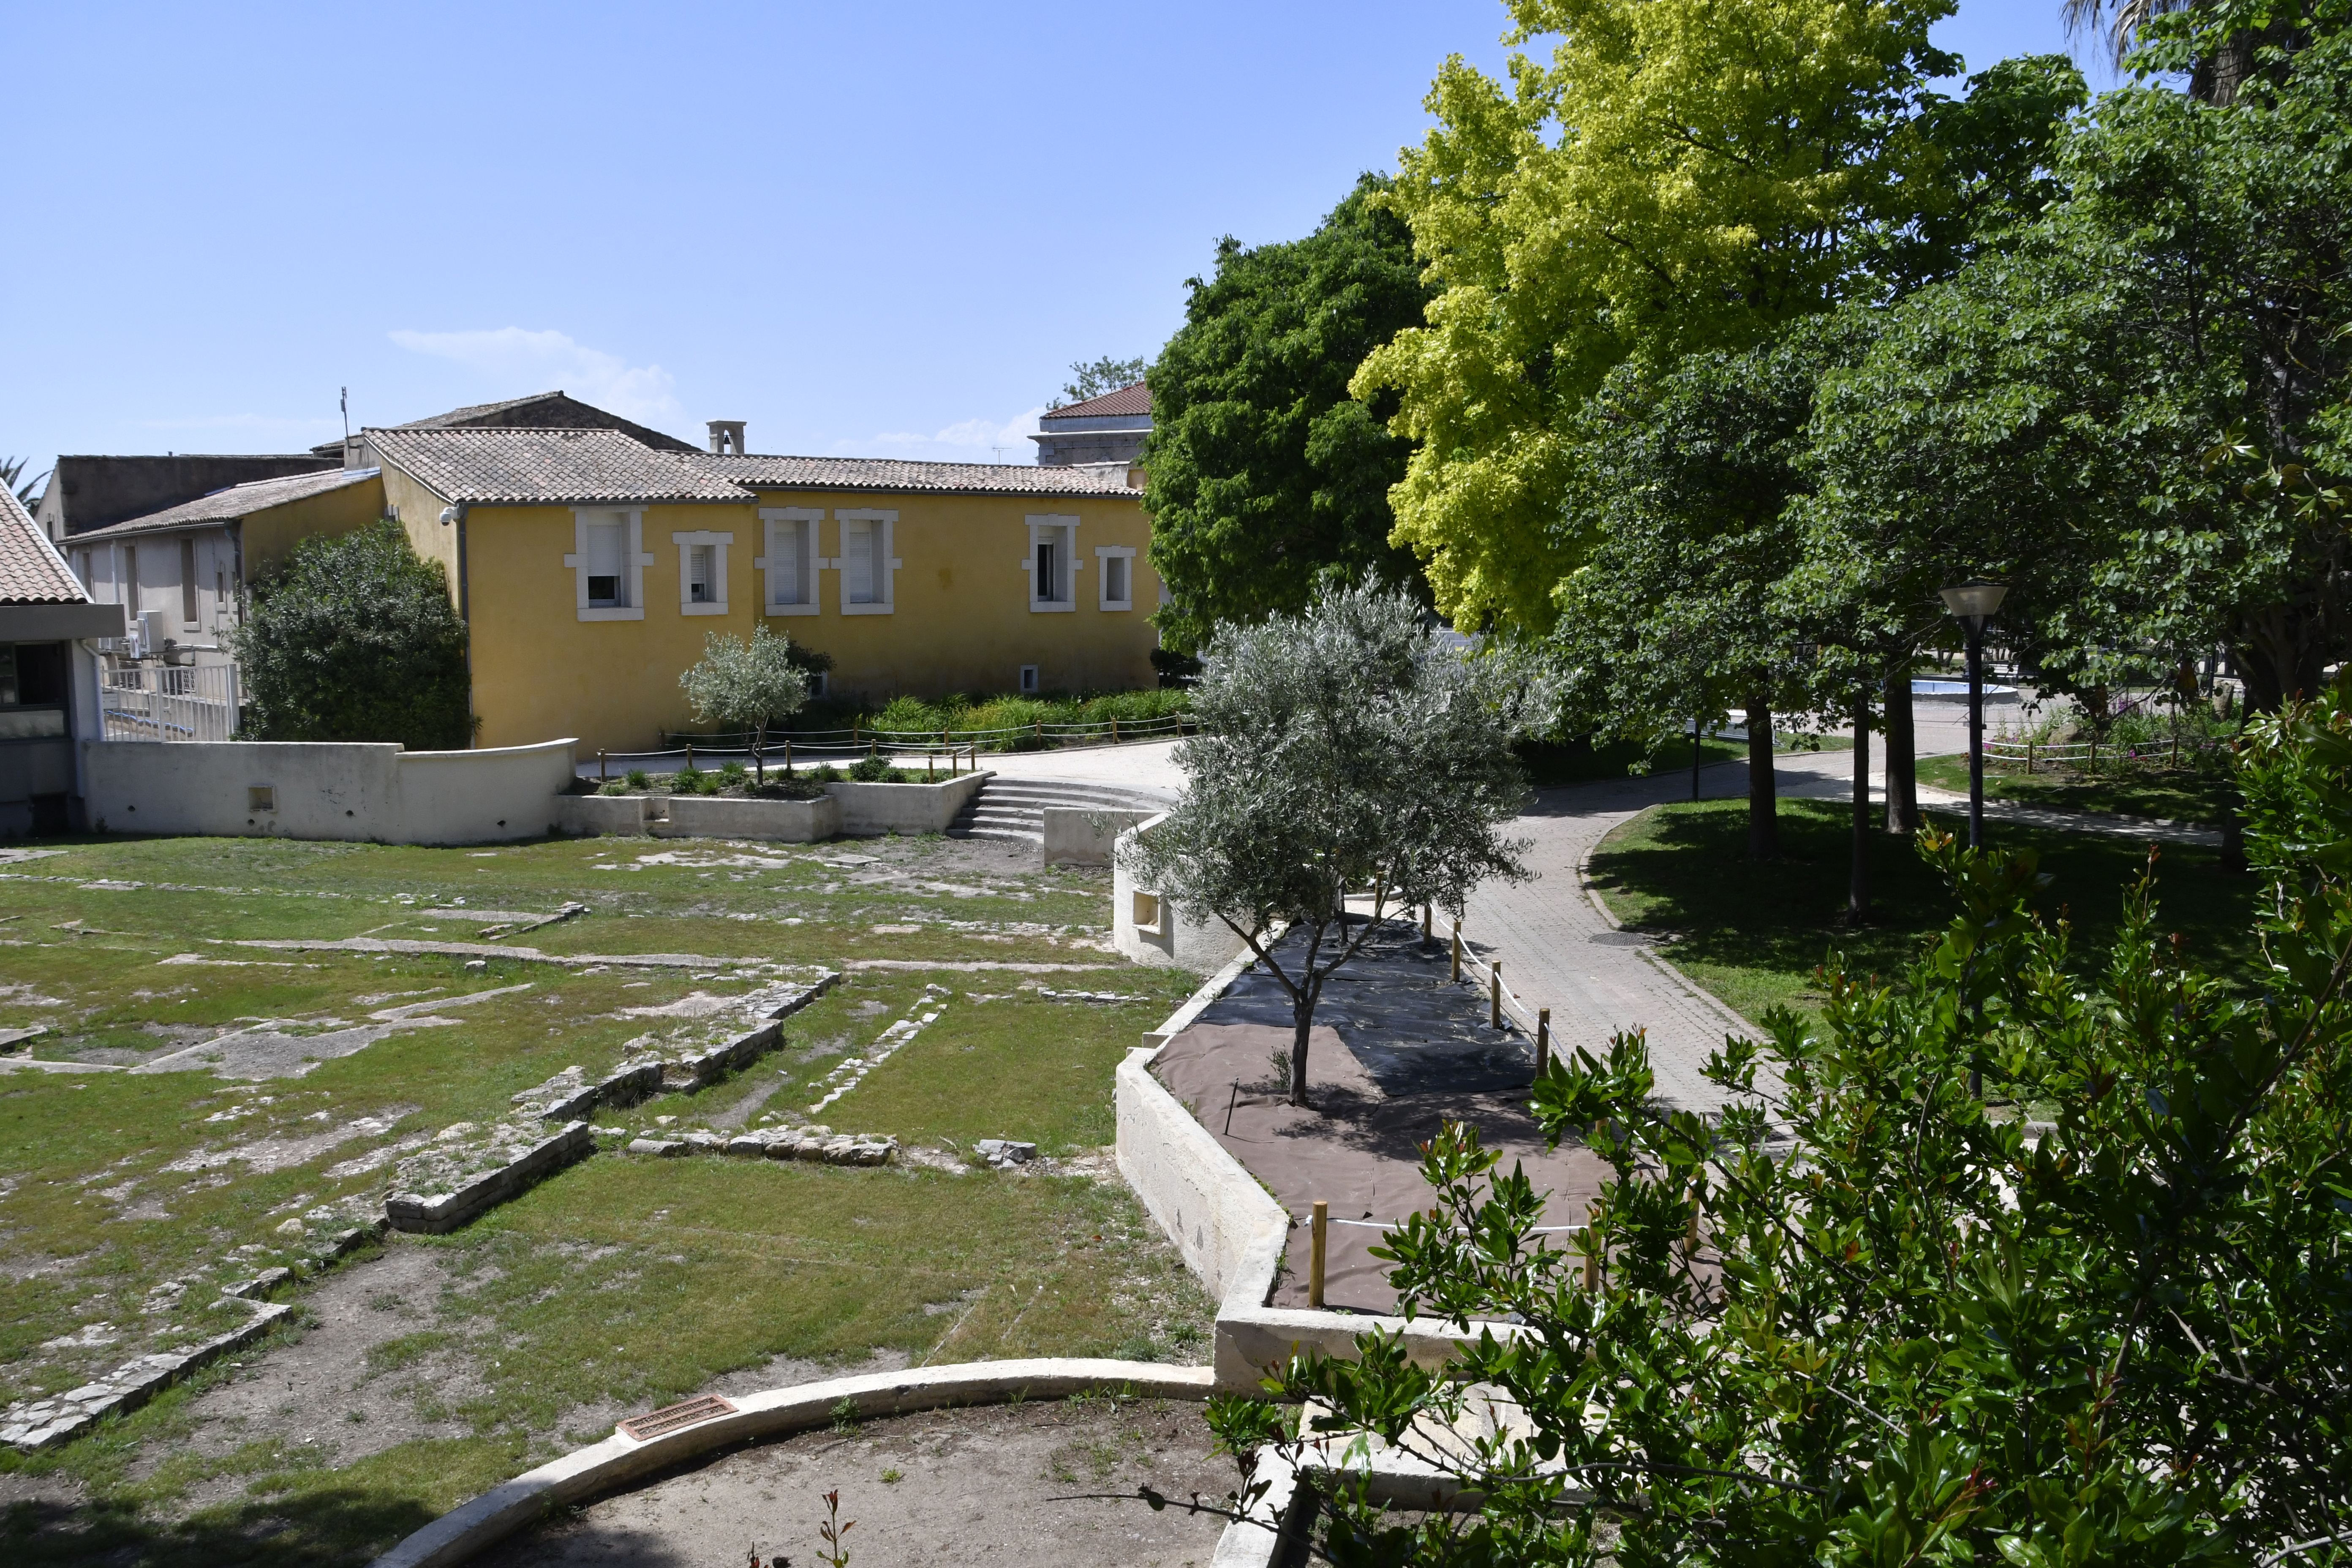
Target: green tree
1264	473
2104	1319
2137	414
1683	175
747	685
1106	375
1676	610
1341	750
353	638
12	473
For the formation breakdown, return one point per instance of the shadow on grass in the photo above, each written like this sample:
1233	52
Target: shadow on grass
1680	872
328	1524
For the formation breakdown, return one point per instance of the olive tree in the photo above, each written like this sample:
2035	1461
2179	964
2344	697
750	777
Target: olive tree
1343	749
749	684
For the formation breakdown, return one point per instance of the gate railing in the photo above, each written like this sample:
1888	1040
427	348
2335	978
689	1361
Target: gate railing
149	701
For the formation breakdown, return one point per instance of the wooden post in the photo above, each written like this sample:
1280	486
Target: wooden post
1591	1258
788	754
928	759
601	774
2029	754
690	756
1314	1256
1543	1041
1494	994
1424	927
1456	976
1114	728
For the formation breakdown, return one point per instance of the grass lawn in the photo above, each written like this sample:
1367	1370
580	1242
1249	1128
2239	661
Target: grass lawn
2161	793
127	1199
1754	933
1580	762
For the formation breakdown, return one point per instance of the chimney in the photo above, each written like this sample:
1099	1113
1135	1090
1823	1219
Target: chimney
726	436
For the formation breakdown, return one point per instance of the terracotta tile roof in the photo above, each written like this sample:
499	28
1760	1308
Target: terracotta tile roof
236	502
490	467
1136	399
31	570
890	474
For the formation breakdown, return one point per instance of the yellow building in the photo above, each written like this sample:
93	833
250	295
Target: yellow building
589	567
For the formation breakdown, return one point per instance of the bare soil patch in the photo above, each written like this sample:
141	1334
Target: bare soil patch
969	1485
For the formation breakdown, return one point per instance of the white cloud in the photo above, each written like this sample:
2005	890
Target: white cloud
526	361
965	441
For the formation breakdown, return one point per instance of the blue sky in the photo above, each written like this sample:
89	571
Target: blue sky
879	232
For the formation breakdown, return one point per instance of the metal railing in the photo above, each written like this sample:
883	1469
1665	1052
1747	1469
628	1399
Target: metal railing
863	739
148	701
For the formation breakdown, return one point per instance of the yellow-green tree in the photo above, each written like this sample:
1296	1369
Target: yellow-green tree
1683	175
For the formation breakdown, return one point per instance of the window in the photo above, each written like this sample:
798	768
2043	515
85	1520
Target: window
791	563
702	572
261	797
1116	590
130	578
866	563
1052	563
608	563
32	691
605	541
857	573
1028	680
188	585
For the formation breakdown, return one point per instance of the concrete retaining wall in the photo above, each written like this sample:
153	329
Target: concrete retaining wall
1074	839
1165	938
856	810
713	816
1229	1230
466	1529
870	810
330	790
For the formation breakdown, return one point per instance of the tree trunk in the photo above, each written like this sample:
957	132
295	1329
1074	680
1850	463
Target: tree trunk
1857	891
1763	824
1303	1015
1902	757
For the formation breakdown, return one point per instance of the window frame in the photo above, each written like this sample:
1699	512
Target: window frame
633	561
688	541
772	521
1104	555
886	561
1065	530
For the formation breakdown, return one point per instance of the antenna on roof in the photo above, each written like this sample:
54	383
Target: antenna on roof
346	401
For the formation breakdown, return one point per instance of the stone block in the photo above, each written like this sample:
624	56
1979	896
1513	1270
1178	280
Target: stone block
655	1146
746	1145
260	1285
441	1214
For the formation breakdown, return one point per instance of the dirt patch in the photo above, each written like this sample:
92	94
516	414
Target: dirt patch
968	1486
368	1373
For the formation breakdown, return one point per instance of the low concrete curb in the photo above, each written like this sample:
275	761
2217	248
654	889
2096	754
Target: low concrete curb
467	1529
439	1215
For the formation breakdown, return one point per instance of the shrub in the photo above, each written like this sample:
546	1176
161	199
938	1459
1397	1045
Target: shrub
874	770
636	778
353	638
824	773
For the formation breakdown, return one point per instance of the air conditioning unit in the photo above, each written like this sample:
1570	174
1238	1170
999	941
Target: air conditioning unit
154	631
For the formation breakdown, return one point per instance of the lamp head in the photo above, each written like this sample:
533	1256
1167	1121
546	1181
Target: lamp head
1976	597
450	514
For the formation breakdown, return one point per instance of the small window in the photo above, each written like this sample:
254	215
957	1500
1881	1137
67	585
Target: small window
817	679
261	797
604	540
1115	580
188	584
857	571
1049	573
1146	911
1028	679
701	574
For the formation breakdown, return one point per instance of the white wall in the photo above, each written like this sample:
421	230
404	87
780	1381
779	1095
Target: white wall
325	790
1172	940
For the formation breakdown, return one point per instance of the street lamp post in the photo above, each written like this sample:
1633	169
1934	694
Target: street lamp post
1973	603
